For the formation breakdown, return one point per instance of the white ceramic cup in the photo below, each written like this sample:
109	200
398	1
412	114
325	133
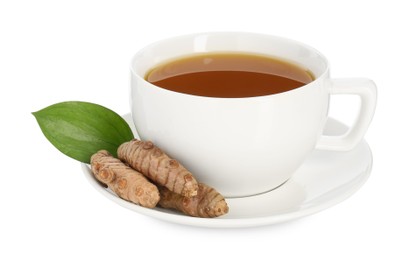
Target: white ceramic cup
243	146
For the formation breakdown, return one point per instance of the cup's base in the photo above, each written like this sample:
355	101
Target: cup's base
259	193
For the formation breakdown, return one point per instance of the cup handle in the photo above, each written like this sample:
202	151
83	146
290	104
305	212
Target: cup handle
366	90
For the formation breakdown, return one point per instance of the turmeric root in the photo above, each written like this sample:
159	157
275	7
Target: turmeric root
148	159
207	203
123	180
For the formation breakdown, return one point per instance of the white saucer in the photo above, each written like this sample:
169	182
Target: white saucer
325	179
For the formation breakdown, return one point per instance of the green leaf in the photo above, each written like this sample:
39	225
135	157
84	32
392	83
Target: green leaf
80	129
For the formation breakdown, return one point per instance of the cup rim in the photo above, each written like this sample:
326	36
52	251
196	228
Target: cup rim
193	35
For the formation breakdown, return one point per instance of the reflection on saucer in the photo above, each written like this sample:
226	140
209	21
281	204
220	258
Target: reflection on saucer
285	198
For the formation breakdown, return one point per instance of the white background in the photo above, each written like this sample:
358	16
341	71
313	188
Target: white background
53	51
